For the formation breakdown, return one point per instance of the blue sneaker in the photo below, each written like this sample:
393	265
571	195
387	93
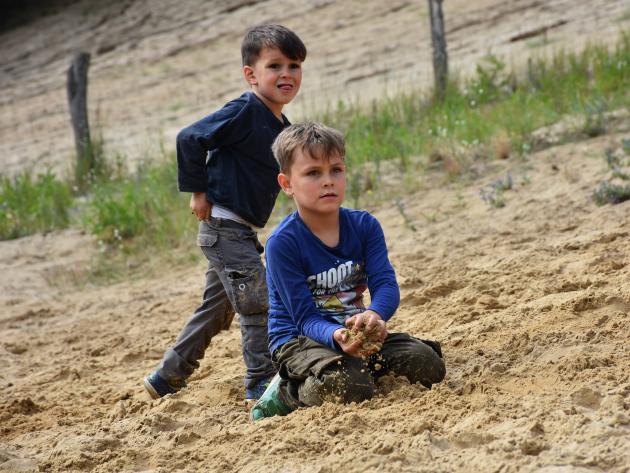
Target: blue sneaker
253	394
158	387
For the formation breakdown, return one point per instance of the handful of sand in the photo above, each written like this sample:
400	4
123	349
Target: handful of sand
369	340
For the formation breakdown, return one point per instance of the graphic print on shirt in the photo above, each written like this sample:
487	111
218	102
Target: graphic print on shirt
338	291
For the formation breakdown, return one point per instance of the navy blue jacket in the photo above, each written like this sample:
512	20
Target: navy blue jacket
228	155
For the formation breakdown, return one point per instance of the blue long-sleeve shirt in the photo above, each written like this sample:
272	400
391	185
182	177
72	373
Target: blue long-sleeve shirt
314	288
228	156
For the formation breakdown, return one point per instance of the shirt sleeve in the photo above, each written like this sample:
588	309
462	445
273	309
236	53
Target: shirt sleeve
381	278
289	279
220	128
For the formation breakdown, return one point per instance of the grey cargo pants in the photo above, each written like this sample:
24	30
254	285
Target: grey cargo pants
235	282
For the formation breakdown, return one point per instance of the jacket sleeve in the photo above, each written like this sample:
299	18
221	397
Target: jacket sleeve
289	279
381	278
220	128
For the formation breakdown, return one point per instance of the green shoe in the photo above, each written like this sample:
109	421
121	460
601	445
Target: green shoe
269	404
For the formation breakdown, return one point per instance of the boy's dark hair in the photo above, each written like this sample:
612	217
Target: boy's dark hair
271	36
316	139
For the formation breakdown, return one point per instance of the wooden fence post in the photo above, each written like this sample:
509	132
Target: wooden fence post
77	100
438	40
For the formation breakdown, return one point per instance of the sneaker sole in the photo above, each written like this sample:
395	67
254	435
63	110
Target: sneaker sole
150	389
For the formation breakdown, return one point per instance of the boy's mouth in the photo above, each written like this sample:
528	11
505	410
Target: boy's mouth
328	194
285	86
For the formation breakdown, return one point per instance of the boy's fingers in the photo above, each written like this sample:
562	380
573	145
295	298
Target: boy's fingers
383	333
353	348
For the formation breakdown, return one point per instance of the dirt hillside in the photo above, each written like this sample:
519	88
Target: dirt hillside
530	300
158	65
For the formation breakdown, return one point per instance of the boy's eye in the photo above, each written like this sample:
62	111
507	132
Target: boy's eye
313	172
274	66
295	66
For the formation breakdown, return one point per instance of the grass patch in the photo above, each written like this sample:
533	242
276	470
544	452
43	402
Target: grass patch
493	102
31	204
615	190
625	16
136	217
609	193
493	195
140	216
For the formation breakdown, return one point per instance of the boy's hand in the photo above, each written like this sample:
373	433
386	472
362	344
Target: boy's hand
369	321
200	206
342	338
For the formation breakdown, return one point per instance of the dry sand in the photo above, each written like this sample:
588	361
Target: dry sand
530	302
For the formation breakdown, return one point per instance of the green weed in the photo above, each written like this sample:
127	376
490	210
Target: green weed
146	205
494	102
94	166
400	205
609	193
612	191
492	113
493	194
30	204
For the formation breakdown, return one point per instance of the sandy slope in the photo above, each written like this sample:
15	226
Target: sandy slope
159	64
530	301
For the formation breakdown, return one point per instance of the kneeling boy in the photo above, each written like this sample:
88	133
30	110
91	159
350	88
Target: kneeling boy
320	260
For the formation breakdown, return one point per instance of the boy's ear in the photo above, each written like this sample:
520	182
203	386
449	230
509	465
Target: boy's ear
284	180
248	73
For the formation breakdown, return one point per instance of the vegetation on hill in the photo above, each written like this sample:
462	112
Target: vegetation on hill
488	116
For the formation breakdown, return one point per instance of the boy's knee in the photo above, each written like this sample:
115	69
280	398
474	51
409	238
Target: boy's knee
420	363
438	371
343	384
430	369
349	385
336	385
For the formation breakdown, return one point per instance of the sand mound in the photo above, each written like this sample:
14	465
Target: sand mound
530	302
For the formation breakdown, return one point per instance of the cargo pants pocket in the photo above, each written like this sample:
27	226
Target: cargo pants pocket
248	290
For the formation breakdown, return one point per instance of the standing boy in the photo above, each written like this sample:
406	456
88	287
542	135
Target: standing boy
320	260
225	161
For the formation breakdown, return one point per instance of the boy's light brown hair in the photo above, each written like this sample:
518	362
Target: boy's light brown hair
315	139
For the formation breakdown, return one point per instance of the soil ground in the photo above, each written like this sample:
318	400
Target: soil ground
530	301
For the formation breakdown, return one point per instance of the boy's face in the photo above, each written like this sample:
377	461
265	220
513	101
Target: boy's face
274	78
317	185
